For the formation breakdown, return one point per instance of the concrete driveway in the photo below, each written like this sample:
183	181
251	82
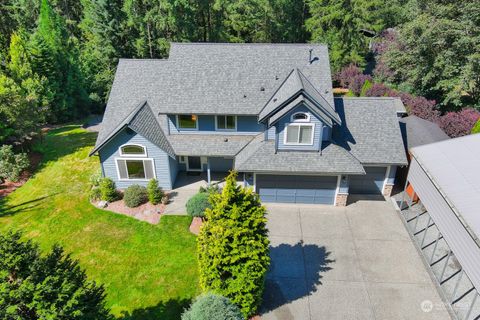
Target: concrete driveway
356	262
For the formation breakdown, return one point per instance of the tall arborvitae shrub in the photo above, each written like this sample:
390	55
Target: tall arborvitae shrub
233	246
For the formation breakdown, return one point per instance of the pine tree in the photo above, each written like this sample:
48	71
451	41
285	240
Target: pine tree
233	246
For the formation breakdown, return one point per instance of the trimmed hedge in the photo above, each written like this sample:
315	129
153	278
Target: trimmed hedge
197	204
212	307
135	195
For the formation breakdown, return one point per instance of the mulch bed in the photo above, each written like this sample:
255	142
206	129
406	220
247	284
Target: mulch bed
8	186
146	212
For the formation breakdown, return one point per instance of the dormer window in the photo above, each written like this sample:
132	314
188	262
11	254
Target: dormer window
300	117
299	134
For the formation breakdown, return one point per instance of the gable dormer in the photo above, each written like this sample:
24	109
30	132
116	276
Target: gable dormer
297	116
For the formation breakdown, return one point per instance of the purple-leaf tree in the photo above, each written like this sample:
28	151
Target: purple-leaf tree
457	124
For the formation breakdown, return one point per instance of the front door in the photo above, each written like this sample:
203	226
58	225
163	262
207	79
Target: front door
194	164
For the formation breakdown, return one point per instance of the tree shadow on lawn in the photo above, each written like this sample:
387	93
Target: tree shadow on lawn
295	272
6	210
169	310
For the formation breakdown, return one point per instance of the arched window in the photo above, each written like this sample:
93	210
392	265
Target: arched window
133	150
300	117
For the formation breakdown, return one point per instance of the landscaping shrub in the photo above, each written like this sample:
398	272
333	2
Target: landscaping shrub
212	307
457	124
11	164
95	194
135	195
232	247
108	190
155	193
197	204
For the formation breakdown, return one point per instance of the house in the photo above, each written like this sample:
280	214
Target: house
265	110
445	223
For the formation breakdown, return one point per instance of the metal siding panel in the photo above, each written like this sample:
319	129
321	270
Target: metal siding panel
161	160
463	246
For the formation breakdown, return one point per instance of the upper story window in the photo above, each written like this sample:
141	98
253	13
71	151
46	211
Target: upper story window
187	121
226	122
300	117
133	150
299	134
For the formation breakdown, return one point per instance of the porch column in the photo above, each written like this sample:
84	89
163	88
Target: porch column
208	171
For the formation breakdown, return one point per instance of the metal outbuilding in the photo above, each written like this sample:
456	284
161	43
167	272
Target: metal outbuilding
446	221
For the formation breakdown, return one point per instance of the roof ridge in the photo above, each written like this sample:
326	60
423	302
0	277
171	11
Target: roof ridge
251	44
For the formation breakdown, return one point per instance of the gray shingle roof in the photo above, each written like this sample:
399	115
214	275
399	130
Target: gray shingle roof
142	121
417	132
260	156
294	85
207	78
370	130
208	145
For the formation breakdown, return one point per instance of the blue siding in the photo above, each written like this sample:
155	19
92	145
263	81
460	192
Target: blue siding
281	125
160	159
220	164
271	133
173	169
206	124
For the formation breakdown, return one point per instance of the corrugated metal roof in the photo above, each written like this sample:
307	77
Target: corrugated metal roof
454	167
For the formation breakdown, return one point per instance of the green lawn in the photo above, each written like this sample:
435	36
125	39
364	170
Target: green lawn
149	272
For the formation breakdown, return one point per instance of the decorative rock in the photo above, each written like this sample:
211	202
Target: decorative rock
102	204
195	225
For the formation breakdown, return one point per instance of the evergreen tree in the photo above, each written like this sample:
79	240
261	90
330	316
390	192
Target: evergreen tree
53	286
233	246
55	58
337	23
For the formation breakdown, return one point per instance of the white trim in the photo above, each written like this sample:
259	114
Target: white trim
120	152
254	182
292	117
387	174
226	115
337	190
312	125
188	166
180	159
136	159
186	129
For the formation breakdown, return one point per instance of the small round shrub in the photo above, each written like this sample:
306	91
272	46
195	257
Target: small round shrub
212	307
197	204
135	195
108	190
155	193
95	194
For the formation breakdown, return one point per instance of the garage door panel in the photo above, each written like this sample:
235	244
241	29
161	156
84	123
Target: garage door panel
370	183
297	189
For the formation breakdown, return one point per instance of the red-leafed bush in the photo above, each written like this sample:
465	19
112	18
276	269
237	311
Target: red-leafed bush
380	90
352	78
420	106
457	124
